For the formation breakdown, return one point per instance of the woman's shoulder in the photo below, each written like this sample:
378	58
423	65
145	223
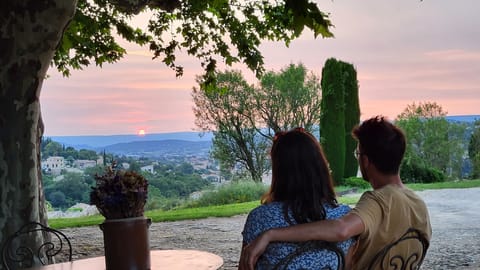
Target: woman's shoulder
265	209
263	218
336	211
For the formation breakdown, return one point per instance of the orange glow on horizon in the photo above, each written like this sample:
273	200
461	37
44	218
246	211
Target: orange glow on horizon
141	132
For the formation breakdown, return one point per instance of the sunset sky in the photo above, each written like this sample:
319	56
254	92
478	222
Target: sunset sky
404	52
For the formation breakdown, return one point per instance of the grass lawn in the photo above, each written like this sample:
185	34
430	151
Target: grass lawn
442	185
233	209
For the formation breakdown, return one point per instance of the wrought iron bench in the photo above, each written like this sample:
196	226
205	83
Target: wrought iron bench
312	246
20	250
390	256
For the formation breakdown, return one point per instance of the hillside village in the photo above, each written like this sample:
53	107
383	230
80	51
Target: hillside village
69	174
58	165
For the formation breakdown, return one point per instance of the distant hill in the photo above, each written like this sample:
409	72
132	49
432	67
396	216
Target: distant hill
463	118
95	142
160	148
98	141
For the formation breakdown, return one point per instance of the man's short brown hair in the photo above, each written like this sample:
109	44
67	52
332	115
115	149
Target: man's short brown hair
382	142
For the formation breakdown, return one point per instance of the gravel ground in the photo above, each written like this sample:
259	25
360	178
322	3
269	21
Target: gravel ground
455	244
455	217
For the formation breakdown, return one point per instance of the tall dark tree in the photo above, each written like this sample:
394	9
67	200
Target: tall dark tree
474	150
332	117
340	113
76	33
352	117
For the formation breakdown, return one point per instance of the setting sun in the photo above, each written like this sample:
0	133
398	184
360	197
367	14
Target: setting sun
141	132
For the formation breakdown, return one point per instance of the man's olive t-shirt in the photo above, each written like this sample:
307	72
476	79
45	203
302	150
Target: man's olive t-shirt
387	213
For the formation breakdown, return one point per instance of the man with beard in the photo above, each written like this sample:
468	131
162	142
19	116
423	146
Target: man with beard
380	217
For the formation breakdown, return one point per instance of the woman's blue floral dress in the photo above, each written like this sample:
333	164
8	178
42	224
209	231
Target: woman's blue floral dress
271	216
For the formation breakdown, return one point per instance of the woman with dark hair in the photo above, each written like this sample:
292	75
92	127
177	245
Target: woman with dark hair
301	191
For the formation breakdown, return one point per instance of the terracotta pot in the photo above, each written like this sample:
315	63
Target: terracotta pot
126	243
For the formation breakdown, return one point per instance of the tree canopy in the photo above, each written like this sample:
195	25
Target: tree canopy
210	30
244	117
432	141
474	149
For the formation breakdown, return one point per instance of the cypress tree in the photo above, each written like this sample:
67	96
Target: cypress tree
352	117
332	118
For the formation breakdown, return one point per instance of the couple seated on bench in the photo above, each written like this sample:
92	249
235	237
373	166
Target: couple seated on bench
300	224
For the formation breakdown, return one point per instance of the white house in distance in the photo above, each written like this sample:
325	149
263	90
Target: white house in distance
54	164
148	168
83	163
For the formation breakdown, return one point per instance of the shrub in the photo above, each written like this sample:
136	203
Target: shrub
357	182
233	192
433	175
49	206
163	203
57	199
413	173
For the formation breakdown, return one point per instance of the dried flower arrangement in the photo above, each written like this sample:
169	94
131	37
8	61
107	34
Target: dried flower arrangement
120	194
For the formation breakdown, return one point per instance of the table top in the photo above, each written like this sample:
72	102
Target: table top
159	259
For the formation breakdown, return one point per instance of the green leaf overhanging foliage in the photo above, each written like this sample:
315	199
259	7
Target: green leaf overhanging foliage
213	30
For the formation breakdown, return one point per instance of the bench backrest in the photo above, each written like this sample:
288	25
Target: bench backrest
405	253
21	250
313	246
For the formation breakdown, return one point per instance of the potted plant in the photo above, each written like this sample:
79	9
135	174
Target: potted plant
120	196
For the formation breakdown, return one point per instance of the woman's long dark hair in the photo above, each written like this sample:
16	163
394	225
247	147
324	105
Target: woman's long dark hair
300	176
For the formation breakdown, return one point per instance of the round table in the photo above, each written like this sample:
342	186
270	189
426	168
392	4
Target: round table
184	259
